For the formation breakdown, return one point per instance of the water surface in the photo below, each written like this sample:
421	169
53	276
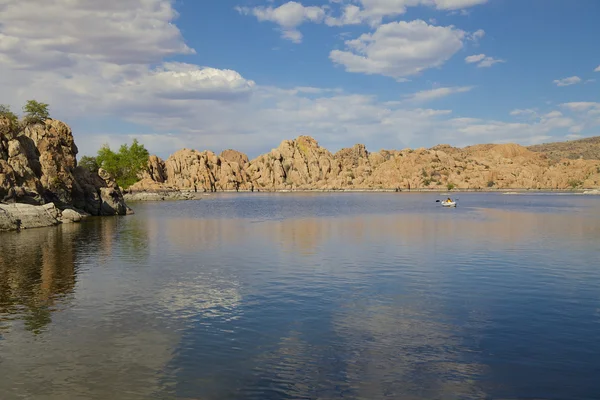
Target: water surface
308	296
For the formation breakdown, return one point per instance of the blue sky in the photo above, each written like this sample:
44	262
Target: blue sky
246	74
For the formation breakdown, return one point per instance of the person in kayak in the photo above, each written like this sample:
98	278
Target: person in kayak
449	200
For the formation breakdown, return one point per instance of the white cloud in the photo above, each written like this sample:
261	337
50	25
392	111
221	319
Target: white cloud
292	14
553	114
474	58
478	34
434	94
400	49
567	81
482	60
597	69
526	112
184	105
179	81
288	16
581	106
98	57
489	61
54	34
373	11
455	4
576	129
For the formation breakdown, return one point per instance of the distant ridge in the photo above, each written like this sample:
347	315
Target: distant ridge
301	164
586	148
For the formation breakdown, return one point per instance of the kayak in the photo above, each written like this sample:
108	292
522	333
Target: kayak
447	203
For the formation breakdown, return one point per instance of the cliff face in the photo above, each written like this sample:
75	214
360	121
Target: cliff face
38	166
202	171
303	164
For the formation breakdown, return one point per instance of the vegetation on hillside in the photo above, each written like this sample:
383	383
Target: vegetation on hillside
588	149
124	165
34	113
7	113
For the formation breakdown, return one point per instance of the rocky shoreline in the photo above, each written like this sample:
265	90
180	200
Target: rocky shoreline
174	195
14	217
161	196
41	183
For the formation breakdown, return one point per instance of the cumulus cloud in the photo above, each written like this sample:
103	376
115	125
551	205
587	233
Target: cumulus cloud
572	80
582	106
181	81
288	16
400	49
293	14
54	34
482	60
597	69
374	11
172	105
98	57
438	93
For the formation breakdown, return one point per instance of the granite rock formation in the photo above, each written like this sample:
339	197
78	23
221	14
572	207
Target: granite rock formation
301	164
194	170
38	166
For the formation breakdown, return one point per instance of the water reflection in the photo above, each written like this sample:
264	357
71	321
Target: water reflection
37	271
409	352
246	300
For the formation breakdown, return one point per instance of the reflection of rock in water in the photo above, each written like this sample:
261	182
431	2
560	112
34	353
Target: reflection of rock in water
204	234
104	348
37	267
97	363
501	228
395	352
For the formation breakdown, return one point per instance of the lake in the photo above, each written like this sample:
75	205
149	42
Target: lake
308	296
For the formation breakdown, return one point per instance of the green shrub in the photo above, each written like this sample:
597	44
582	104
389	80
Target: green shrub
35	112
575	183
7	113
89	163
125	165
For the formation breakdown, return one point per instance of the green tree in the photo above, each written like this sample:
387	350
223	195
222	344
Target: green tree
125	165
451	186
89	163
7	113
35	112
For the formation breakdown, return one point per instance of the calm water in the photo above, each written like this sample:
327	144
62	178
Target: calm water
308	296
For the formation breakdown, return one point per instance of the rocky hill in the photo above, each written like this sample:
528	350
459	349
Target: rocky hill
301	164
40	182
587	149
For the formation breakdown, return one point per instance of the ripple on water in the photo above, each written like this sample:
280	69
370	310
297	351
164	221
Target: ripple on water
359	296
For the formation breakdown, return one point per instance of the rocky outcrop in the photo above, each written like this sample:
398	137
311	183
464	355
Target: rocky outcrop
24	216
198	171
38	166
234	156
301	164
295	164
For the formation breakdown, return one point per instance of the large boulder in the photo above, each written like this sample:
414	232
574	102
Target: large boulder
38	166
